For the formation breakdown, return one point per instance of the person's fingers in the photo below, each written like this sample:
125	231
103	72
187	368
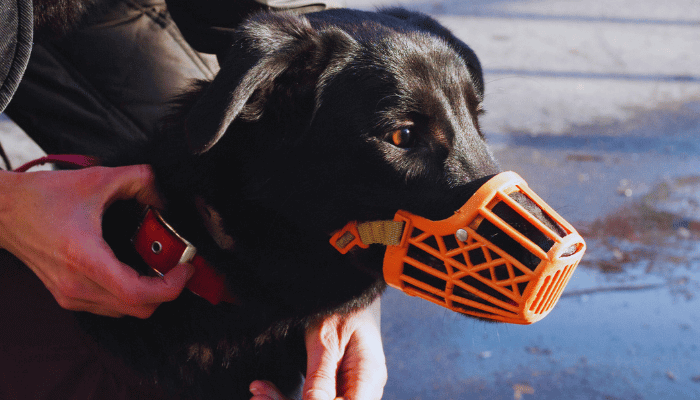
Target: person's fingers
323	357
134	182
139	296
123	288
58	234
104	303
150	289
365	377
148	301
264	390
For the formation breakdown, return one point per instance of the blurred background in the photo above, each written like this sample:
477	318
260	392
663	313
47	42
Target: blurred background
596	103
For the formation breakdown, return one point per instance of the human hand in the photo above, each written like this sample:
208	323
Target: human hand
52	221
345	360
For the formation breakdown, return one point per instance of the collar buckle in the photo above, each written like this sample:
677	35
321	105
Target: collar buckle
162	248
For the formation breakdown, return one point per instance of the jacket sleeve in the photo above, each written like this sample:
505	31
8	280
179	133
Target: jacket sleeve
16	32
208	25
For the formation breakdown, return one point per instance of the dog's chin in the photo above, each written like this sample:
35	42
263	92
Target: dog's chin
54	19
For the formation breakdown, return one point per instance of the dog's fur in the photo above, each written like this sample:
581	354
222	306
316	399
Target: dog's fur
285	146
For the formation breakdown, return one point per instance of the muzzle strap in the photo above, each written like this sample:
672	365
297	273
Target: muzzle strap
387	233
363	234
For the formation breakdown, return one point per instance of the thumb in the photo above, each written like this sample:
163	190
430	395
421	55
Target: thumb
177	277
159	290
135	181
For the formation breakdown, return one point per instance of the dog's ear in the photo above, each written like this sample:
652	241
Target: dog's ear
267	47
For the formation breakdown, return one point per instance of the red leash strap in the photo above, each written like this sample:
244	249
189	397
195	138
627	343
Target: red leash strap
66	160
156	241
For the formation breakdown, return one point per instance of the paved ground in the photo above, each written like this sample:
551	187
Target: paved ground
597	104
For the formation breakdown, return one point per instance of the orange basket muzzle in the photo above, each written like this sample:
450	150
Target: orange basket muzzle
477	263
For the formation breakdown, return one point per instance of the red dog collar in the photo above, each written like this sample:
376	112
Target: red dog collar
162	249
157	242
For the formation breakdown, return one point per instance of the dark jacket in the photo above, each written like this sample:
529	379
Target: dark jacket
104	87
16	35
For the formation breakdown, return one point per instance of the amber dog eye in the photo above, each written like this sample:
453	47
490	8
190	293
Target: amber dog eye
402	138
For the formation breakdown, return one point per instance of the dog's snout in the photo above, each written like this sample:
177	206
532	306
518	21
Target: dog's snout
537	212
536	235
524	226
505	255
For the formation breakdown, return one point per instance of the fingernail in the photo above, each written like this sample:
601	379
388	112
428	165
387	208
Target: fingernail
254	390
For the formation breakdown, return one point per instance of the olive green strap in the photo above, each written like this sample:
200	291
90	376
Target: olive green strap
383	232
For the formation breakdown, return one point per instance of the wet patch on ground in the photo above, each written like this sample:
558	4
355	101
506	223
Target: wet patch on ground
653	236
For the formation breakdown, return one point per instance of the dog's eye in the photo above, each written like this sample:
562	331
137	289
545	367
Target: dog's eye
402	138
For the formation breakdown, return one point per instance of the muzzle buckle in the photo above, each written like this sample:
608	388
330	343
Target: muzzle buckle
347	238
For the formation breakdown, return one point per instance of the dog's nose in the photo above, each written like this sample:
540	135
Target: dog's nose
520	223
516	220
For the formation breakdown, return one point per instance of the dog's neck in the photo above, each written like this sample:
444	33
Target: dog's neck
162	248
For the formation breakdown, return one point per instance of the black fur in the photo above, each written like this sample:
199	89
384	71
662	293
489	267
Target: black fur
288	143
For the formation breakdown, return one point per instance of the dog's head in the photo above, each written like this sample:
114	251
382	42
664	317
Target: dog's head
314	121
347	114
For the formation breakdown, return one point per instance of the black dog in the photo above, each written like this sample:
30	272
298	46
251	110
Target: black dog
313	121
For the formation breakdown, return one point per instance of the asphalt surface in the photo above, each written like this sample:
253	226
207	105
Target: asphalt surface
597	105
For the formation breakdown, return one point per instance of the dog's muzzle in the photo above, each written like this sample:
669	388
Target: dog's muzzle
505	255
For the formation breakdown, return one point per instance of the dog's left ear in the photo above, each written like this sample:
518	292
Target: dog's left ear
267	46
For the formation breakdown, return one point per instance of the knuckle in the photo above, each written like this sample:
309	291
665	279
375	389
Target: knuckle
142	173
143	312
74	257
317	394
68	290
66	303
94	175
126	295
321	375
170	295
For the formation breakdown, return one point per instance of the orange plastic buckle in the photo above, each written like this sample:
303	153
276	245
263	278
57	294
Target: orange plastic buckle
347	238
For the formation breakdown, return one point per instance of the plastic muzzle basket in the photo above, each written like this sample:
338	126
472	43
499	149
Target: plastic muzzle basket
450	263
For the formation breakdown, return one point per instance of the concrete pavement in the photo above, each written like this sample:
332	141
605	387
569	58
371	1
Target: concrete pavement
597	105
